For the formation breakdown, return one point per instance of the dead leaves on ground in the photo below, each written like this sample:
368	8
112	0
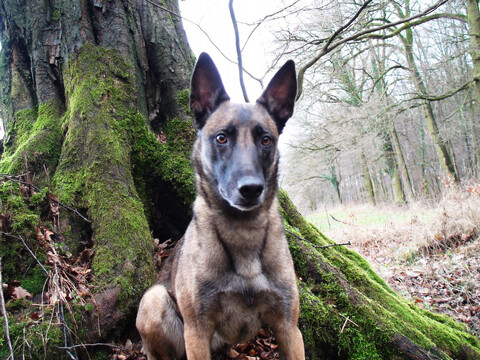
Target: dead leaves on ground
262	347
442	276
447	283
68	276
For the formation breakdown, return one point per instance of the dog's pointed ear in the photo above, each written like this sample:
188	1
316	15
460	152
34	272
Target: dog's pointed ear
279	96
207	90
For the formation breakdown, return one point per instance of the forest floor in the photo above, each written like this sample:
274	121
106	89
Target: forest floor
428	253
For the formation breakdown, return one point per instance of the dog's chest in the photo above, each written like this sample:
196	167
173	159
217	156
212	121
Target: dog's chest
239	307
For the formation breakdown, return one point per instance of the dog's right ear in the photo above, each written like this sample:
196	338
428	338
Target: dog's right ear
207	90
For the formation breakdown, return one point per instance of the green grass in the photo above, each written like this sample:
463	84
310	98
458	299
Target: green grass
368	216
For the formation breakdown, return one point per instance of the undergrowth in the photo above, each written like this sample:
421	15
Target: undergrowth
429	253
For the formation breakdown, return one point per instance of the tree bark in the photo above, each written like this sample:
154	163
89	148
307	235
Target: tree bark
387	132
367	178
402	164
95	91
473	18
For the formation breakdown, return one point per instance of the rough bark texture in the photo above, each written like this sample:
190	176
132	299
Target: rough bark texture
87	89
400	159
367	178
96	92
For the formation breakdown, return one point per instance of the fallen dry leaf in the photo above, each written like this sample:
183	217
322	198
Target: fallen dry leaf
20	293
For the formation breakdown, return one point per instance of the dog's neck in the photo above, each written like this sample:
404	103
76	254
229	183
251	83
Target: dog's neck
240	241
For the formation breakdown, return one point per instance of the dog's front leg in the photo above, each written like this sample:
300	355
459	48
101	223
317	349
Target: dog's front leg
197	341
290	341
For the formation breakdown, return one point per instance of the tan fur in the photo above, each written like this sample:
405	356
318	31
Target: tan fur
232	272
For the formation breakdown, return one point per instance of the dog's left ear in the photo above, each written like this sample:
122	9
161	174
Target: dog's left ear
207	90
279	96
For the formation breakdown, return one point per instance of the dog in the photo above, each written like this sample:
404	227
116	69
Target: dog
232	271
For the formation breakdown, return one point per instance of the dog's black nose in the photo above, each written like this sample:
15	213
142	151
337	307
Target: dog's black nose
250	188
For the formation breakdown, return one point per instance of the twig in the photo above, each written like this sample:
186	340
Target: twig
239	51
75	211
17	178
297	236
331	245
19	237
88	345
316	246
206	34
341	221
4	313
62	315
347	320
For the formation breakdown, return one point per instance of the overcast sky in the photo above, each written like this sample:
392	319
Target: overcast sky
214	18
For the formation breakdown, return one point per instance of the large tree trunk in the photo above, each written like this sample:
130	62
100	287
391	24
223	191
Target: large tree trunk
94	104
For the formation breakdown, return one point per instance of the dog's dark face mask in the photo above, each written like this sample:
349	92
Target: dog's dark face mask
238	142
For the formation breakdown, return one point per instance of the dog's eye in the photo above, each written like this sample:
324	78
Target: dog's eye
221	139
266	140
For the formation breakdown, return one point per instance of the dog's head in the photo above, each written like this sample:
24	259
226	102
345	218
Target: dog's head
238	142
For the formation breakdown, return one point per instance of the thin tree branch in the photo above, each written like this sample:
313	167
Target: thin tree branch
444	96
18	237
17	178
4	313
75	211
206	34
331	45
62	316
316	246
413	24
90	345
331	245
239	51
260	22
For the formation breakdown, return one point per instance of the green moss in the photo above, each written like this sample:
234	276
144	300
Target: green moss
95	169
35	279
36	135
167	159
33	339
184	100
56	15
24	218
337	284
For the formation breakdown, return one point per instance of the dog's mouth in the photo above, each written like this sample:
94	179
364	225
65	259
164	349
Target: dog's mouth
240	203
245	207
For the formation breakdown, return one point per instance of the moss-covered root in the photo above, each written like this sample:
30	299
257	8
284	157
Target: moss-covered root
33	141
95	173
348	312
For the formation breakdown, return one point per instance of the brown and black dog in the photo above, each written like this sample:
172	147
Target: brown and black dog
232	272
